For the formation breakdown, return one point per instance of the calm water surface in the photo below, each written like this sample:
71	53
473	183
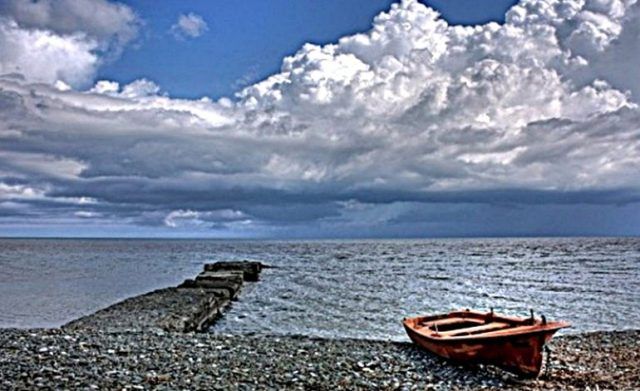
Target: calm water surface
335	289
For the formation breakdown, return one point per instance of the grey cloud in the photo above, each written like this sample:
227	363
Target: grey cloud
101	19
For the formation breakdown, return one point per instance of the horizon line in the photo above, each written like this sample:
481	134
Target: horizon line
328	238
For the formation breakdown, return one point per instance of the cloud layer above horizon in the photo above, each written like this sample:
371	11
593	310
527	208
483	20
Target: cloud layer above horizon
413	128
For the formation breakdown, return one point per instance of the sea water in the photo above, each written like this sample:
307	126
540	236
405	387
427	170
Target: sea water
334	289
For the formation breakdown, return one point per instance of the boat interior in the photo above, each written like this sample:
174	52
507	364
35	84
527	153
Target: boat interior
471	323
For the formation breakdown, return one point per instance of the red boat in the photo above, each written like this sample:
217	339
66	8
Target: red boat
512	343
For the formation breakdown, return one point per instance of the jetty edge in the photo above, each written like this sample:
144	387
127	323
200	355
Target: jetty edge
192	306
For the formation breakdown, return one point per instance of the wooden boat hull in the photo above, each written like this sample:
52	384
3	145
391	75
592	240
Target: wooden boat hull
520	352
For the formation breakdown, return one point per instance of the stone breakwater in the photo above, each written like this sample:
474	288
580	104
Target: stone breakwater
192	306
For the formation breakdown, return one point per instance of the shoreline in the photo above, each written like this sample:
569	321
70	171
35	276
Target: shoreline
66	358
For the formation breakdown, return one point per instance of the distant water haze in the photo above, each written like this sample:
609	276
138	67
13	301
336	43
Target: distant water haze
335	289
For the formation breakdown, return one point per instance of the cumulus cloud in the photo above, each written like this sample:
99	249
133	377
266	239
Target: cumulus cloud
65	40
413	126
189	26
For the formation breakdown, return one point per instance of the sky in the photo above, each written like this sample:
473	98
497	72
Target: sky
245	41
308	119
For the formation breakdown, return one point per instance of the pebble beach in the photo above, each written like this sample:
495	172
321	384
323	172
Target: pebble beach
67	359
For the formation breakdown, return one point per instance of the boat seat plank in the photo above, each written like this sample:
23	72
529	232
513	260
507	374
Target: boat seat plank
493	326
446	321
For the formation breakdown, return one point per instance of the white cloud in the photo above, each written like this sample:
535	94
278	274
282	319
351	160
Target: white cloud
65	40
106	87
13	192
140	88
41	55
412	112
181	218
86	215
136	89
189	26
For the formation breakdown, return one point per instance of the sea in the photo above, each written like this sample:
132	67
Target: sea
337	288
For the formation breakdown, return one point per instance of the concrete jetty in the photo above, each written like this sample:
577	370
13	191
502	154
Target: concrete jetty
192	306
